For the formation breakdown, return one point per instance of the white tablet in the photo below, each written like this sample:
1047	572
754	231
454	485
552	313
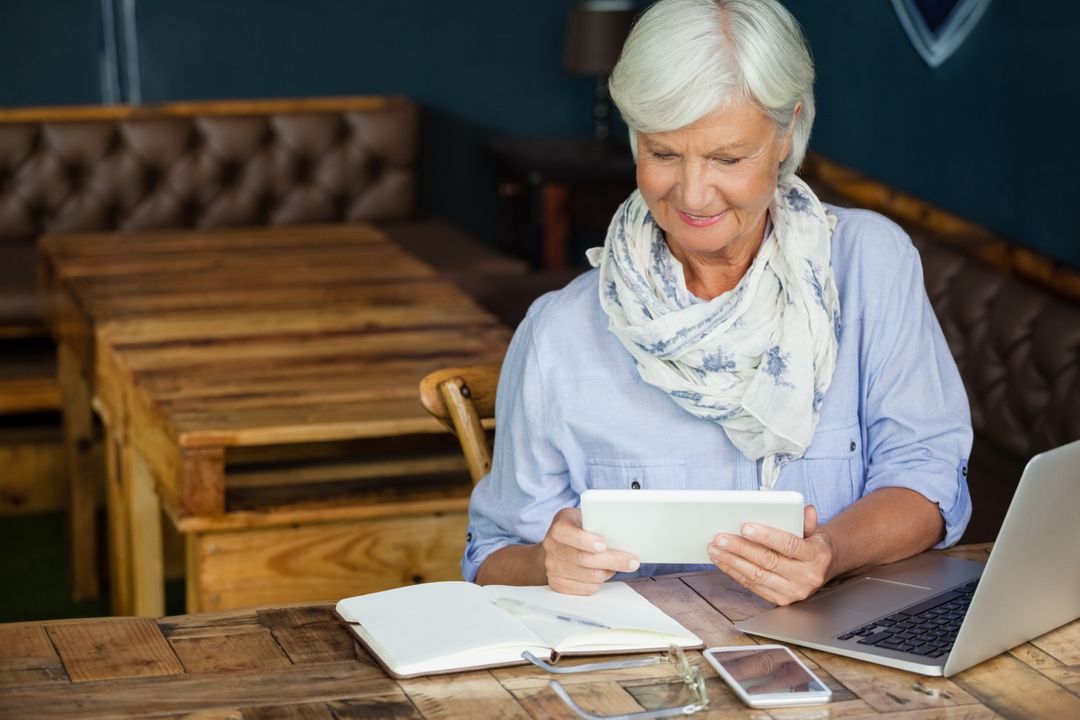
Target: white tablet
676	526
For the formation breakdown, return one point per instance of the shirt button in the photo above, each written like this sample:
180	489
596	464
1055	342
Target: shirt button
468	537
852	446
963	471
635	485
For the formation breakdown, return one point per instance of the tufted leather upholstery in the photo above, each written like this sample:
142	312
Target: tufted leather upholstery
1018	351
196	165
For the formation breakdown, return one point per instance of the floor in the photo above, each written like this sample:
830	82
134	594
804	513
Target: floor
33	573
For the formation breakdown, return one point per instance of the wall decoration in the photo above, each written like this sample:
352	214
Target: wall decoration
938	27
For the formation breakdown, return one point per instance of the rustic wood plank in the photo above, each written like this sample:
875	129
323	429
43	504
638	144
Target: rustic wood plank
404	502
202	481
889	690
226	651
27	656
211	714
859	709
304	423
468	695
729	597
1009	687
83	480
116	648
328	561
299	711
404	343
1062	643
678	599
310	634
119	529
190	693
394	706
146	545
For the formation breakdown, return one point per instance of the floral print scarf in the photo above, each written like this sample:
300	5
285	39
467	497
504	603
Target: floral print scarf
757	359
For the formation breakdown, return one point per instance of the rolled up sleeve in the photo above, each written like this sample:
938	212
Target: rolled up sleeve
529	480
918	425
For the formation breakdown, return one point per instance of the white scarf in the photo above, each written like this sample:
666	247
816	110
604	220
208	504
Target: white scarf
756	359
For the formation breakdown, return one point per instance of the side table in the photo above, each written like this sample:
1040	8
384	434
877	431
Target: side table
559	184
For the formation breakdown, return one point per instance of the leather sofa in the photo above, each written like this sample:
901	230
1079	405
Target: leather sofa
1018	350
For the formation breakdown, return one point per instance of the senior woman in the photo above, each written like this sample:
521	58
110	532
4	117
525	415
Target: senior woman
735	334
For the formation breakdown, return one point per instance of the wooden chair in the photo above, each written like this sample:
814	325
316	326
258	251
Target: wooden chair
463	399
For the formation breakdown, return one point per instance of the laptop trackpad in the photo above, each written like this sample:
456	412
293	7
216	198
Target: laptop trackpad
870	594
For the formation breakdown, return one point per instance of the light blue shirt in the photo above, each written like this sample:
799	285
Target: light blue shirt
573	414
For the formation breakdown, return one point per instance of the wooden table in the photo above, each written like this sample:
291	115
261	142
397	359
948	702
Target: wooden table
194	344
267	663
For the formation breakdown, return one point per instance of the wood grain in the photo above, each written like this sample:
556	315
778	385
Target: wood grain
204	691
475	694
226	650
309	634
291	662
328	561
111	649
1009	687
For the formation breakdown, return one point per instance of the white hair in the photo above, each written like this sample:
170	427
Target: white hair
686	58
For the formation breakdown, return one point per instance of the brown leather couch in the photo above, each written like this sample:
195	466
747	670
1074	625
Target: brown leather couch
1018	350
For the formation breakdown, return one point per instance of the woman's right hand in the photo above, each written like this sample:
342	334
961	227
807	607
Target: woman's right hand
577	562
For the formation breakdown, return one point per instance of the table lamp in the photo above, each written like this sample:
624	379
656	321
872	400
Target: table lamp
595	33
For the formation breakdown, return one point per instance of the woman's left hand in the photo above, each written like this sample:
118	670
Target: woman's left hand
780	567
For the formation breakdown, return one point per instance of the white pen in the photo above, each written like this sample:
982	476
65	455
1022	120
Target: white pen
512	605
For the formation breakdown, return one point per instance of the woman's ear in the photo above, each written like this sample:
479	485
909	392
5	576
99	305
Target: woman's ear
790	131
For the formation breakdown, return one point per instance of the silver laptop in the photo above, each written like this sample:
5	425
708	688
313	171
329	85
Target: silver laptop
937	615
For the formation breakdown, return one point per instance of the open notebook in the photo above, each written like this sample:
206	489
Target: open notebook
451	626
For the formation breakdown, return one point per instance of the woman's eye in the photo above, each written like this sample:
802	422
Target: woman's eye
663	155
728	160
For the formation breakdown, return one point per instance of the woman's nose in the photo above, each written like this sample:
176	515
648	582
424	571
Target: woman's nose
696	190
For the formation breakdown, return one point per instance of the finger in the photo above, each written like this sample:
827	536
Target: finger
613	560
753	577
785	543
566	530
810	521
572	586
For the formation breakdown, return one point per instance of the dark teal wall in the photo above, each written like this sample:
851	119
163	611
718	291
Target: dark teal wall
989	135
49	52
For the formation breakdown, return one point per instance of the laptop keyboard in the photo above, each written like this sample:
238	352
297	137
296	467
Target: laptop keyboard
928	628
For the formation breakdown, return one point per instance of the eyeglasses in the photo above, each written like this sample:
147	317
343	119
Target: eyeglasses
687	672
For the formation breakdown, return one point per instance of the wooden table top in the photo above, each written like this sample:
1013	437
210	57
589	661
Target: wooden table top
270	663
264	335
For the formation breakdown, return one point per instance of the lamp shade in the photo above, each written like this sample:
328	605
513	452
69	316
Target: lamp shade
595	34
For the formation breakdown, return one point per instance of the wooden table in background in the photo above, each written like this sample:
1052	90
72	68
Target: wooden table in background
268	664
190	344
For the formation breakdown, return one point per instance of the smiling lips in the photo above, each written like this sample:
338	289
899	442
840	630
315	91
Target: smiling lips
700	220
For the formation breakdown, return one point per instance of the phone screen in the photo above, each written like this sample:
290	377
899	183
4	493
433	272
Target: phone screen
767	671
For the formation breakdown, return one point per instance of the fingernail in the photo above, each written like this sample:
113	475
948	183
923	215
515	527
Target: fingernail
599	546
721	542
632	565
748	530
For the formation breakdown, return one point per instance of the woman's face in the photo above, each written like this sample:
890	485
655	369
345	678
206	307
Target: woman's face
709	184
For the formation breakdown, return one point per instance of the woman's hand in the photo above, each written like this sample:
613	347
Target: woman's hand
780	567
577	562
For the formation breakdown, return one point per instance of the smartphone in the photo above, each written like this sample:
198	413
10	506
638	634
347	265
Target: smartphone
767	675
